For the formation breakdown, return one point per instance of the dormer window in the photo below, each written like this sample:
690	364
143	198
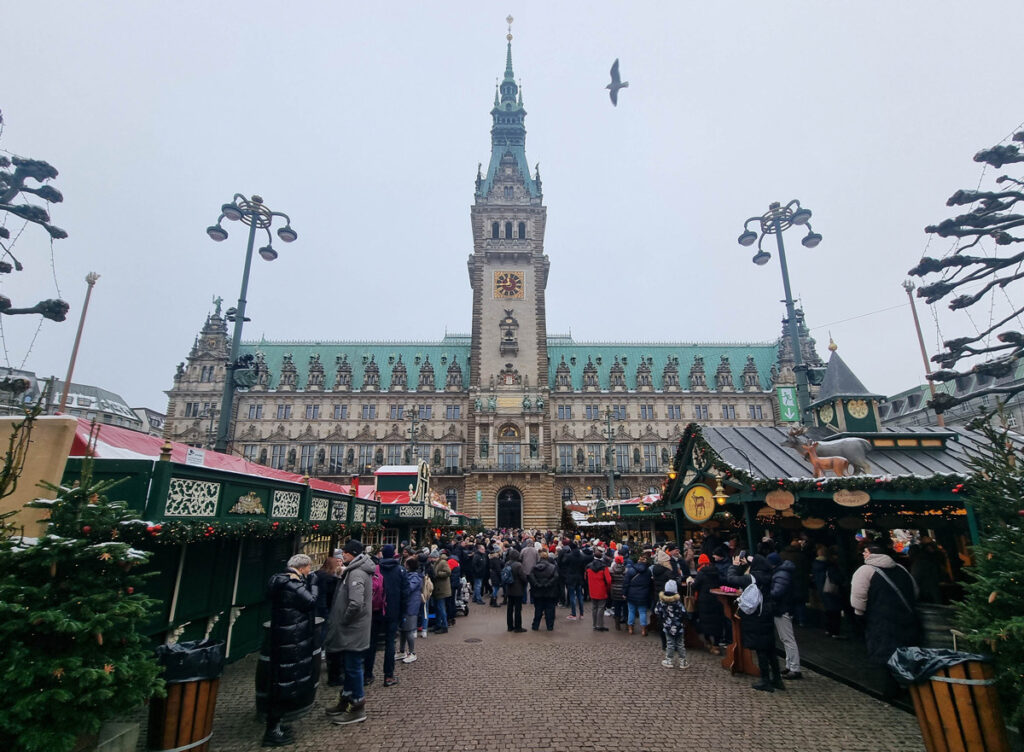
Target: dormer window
510	192
913	401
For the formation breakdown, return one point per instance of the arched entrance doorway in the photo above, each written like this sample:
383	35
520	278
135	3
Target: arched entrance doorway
510	508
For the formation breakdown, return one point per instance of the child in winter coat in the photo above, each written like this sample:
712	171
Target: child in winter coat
670	611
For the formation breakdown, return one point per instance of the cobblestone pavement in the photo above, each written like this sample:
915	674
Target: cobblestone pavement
573	689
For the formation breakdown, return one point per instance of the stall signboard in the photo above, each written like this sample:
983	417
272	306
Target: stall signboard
698	504
789	412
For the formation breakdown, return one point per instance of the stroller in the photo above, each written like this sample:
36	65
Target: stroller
462	598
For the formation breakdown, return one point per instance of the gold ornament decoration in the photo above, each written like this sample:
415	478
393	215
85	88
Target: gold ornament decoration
105	556
99	638
826	413
58	672
992	597
108	668
53	569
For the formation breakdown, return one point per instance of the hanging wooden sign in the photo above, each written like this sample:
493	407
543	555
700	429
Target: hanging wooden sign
779	499
848	498
814	523
765	512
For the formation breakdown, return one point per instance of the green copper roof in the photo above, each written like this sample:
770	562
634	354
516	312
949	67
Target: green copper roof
384	354
508	132
603	355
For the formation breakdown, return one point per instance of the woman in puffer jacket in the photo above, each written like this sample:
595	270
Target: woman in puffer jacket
758	628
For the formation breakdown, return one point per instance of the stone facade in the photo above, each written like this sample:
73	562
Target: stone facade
513	420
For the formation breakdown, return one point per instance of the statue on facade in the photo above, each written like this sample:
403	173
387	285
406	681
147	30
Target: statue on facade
533	448
527	404
492	403
478	404
484	448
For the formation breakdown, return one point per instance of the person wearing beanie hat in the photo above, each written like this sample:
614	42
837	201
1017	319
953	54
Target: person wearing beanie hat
599	584
669	610
348	631
616	593
710	616
784	596
384	625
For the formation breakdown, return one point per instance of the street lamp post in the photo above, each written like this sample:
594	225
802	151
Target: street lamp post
609	432
90	280
257	215
777	219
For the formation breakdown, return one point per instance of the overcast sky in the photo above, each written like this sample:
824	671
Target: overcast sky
365	123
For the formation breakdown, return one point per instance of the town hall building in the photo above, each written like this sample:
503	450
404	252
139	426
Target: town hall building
513	420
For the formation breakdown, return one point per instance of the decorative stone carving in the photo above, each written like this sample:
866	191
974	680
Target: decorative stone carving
509	376
670	375
617	376
644	382
342	374
723	375
751	378
509	343
289	374
426	381
262	372
399	376
590	380
563	377
191	498
454	381
698	379
371	376
315	379
286	504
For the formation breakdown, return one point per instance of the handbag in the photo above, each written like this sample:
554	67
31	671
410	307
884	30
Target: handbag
831	588
689	600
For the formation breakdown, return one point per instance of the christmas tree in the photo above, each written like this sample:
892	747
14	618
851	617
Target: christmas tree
992	612
70	611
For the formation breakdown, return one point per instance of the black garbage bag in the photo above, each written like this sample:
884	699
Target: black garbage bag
915	665
191	661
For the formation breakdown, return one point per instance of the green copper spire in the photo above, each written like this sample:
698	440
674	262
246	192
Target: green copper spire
508	132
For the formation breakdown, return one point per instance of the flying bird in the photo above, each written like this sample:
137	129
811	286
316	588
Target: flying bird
616	84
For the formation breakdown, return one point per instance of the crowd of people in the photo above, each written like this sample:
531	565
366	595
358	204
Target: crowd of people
362	603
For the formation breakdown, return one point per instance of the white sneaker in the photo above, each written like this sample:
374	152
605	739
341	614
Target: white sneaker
667	663
683	664
400	656
570	618
609	612
421	635
409	658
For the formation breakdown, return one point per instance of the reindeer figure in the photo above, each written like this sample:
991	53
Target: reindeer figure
837	465
698	504
809	449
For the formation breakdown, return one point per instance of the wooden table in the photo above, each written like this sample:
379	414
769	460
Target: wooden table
738	659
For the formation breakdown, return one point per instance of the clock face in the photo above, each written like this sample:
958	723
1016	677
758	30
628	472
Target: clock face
508	285
858	408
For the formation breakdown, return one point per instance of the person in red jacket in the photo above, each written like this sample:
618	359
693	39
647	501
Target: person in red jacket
599	583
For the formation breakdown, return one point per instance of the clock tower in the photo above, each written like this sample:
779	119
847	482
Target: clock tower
508	272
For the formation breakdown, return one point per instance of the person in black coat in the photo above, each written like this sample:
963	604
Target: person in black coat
545	586
710	616
575	563
292	596
478	571
637	588
494	566
758	628
786	598
396	595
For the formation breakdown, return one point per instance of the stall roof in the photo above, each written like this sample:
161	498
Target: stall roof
113	442
759	451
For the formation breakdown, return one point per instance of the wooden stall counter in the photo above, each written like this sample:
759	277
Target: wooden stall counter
738	659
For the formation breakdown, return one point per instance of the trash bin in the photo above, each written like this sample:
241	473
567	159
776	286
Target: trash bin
184	719
306	696
954	698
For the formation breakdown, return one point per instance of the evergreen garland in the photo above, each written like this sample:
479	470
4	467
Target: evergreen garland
992	611
145	534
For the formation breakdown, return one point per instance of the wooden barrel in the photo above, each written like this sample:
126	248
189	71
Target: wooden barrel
184	719
936	621
958	710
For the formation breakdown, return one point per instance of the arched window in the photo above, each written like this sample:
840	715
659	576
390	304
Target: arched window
508	431
451	497
624	492
508	230
495	228
567	494
522	230
652	490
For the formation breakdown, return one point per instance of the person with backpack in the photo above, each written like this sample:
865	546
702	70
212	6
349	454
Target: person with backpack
348	631
410	614
440	572
388	604
756	612
514	580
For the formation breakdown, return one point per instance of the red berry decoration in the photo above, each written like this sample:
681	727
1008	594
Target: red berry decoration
129	590
1020	512
86	530
274	525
